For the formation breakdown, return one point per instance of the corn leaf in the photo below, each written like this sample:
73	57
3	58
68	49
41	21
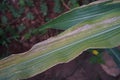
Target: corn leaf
99	31
81	14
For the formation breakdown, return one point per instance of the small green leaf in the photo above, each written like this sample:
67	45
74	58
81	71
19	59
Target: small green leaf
57	6
21	27
3	7
29	3
27	36
21	11
8	40
74	3
5	43
30	16
10	30
43	8
22	3
15	37
4	20
1	32
47	19
14	12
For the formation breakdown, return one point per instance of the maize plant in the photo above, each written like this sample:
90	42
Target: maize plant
96	25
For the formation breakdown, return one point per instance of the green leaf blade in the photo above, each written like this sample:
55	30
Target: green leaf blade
98	32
